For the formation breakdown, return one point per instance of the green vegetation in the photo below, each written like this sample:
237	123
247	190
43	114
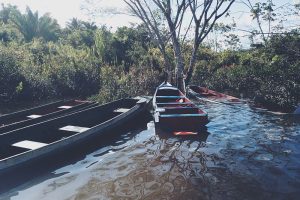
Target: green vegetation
39	60
269	75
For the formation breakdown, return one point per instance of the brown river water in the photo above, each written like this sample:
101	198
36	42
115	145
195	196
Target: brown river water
246	153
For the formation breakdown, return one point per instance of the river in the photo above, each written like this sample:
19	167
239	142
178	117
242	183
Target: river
246	153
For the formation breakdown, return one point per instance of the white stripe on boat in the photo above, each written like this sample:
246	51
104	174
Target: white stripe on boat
184	115
77	129
28	144
171	97
34	116
160	110
177	103
156	117
122	110
65	107
167	88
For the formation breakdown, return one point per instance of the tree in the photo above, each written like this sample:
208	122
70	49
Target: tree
5	12
74	24
31	25
270	19
181	17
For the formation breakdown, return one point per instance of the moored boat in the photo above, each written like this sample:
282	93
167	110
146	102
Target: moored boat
42	114
175	112
198	91
29	143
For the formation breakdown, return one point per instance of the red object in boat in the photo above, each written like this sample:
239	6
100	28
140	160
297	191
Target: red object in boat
205	92
184	133
174	111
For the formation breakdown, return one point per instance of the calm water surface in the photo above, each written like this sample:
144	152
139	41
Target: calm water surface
246	154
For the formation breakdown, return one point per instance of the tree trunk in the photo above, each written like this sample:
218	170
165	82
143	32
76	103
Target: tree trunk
179	67
191	67
178	58
167	69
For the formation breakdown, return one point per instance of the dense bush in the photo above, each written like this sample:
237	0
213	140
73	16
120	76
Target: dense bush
11	79
83	60
118	84
268	75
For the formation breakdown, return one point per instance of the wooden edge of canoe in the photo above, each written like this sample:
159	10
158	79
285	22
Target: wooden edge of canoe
76	138
28	122
18	113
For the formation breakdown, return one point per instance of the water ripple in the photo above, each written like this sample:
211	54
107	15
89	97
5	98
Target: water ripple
248	154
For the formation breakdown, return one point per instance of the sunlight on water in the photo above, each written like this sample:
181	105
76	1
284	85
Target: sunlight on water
246	154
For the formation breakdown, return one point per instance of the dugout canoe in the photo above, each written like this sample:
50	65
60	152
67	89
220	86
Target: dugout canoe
203	92
173	111
29	143
35	115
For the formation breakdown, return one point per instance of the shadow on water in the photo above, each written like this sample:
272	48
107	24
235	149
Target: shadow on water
246	154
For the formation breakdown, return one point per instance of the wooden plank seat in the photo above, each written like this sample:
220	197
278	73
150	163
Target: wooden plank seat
65	107
122	110
28	144
185	110
170	97
77	129
183	115
34	116
175	104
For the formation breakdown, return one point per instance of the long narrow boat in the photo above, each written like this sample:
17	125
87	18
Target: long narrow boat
198	91
30	143
38	111
34	115
173	111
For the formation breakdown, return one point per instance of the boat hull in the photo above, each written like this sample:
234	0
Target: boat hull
102	129
173	111
188	123
197	91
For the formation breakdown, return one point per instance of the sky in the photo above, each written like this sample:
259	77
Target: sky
64	10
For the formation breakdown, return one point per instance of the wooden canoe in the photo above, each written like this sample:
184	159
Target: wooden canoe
32	116
29	143
203	92
173	111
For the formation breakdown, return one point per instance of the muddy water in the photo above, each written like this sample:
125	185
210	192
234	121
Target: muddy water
246	154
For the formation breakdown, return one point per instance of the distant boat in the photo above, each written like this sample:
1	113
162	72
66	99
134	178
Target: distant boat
38	114
173	111
203	92
58	134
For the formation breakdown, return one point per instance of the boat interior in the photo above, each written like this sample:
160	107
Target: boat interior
42	134
42	111
171	101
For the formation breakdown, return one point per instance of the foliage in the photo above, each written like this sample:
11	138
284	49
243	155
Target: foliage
118	84
268	75
11	78
84	60
31	25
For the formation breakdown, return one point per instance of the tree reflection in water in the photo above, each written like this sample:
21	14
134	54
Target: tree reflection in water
248	155
165	168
